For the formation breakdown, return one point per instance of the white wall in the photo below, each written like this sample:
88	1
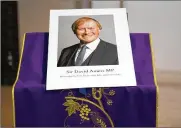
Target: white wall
106	4
163	20
34	14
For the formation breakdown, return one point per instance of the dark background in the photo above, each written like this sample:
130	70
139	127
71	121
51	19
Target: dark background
9	42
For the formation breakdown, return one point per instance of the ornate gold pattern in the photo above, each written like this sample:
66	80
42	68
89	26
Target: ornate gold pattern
85	113
102	92
101	123
97	120
72	106
83	109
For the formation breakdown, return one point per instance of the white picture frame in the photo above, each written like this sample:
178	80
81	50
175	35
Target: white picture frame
61	36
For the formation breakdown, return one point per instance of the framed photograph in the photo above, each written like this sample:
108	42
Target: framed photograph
89	48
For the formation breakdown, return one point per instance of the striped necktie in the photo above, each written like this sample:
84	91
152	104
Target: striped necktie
80	57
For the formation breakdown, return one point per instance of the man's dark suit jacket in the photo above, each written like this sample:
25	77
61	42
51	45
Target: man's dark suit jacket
104	54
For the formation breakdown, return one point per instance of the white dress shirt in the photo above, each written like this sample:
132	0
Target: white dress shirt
90	48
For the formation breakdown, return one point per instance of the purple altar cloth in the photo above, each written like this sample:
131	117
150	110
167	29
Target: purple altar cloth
121	107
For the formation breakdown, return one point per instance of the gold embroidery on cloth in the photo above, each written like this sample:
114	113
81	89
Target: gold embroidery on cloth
81	107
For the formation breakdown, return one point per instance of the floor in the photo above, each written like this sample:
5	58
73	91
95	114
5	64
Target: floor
169	105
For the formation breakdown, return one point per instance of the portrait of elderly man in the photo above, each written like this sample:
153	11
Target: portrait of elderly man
91	50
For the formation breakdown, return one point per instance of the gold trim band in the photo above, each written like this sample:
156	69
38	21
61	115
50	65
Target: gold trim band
19	66
155	78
